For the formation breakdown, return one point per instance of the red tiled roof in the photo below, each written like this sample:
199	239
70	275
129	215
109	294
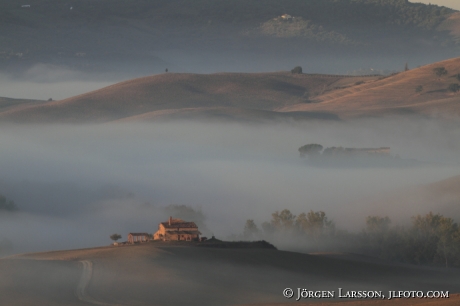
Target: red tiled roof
183	232
175	223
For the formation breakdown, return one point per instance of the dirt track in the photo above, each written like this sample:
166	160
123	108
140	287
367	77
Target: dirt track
84	282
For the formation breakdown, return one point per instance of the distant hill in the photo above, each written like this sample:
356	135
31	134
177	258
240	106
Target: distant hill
256	97
146	37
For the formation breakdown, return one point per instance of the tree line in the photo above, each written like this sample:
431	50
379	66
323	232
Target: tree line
430	239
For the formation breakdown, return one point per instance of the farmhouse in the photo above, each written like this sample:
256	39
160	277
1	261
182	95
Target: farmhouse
177	229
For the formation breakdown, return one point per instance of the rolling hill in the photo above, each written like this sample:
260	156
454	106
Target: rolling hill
232	95
163	274
256	96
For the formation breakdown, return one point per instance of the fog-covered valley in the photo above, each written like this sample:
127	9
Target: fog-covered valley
76	185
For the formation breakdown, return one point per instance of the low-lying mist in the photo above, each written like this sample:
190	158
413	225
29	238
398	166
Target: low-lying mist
45	81
76	185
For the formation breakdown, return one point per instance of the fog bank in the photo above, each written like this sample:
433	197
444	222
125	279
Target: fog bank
77	185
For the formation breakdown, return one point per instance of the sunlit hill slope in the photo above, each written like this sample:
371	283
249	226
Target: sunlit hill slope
168	95
417	91
255	96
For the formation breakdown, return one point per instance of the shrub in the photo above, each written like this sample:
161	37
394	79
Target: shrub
297	70
419	88
440	71
312	149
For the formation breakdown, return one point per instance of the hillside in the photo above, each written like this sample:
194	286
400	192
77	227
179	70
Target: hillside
233	95
142	37
256	97
8	103
396	94
163	274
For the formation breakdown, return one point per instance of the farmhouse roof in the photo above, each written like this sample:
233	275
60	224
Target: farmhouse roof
184	232
174	223
138	234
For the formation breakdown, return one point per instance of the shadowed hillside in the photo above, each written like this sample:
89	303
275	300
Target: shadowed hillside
163	274
208	35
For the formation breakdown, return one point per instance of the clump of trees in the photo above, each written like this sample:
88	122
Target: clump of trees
301	28
296	70
7	205
250	229
312	225
430	239
115	237
310	150
440	71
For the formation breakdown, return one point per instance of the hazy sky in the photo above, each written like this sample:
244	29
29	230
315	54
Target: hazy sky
455	4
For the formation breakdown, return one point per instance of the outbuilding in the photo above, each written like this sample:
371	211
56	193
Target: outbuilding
138	237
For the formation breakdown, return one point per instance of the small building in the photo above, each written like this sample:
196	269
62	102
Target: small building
286	16
138	237
177	230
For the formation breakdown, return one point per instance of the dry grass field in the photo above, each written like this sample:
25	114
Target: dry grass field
394	95
233	95
164	274
172	93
